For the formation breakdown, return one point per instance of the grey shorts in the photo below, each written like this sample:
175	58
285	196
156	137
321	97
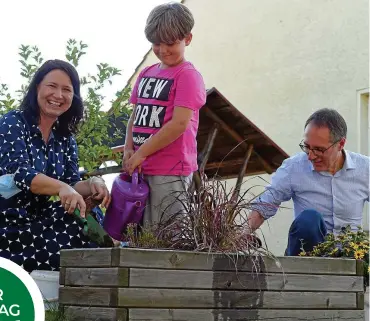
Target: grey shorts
167	196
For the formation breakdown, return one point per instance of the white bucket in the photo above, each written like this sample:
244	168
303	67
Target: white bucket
48	283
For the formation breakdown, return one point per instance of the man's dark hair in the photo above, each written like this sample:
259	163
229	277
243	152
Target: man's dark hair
331	119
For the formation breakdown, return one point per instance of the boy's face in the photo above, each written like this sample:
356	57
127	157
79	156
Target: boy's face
171	54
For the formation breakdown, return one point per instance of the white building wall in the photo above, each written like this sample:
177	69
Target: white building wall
279	60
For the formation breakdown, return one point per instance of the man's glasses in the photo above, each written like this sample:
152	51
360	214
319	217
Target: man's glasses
315	151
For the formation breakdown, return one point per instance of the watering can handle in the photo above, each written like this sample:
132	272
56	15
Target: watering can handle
135	179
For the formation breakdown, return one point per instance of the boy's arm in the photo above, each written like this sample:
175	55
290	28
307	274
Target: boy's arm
168	133
190	97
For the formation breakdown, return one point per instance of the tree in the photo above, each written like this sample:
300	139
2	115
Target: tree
99	130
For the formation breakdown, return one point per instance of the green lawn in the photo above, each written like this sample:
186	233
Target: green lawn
55	316
53	313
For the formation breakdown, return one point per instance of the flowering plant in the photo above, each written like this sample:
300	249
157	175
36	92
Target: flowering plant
348	243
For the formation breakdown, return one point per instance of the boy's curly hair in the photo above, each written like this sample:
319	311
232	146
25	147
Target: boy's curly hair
168	23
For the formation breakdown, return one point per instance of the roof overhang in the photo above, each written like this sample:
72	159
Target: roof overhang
236	137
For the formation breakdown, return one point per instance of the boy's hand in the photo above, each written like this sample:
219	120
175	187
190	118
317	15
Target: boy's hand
135	161
126	156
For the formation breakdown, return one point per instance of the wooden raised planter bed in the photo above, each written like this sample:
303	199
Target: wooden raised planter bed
139	284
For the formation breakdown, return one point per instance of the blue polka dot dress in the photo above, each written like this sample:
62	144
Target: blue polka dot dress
34	229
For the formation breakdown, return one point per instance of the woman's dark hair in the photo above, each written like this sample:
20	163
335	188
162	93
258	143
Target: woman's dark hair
68	121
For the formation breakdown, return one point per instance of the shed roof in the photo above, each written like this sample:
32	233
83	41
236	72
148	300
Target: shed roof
235	134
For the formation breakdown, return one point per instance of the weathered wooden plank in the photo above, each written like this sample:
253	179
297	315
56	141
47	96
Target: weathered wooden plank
105	277
360	265
62	275
244	315
179	298
360	300
89	296
168	259
186	260
186	279
75	313
86	258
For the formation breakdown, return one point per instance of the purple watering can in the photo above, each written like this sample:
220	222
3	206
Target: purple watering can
129	195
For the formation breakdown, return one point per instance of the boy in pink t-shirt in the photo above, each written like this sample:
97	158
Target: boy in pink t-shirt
161	132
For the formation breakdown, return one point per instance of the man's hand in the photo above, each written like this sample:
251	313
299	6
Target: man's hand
255	220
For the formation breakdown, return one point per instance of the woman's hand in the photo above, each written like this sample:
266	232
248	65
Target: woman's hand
127	154
97	186
71	200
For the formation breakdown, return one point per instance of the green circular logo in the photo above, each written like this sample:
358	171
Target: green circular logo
20	298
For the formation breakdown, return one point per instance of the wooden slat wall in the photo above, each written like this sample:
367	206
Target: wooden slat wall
76	313
163	259
244	315
138	284
186	279
181	298
97	314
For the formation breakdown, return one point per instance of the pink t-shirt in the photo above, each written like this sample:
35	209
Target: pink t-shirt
156	93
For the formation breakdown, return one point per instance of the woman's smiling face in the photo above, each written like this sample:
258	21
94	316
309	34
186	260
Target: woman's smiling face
54	94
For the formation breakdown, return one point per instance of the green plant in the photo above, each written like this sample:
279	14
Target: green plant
53	312
98	130
142	237
348	243
55	315
212	221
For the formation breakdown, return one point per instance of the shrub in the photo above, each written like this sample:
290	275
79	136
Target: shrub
348	243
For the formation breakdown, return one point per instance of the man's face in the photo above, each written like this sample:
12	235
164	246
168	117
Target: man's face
322	151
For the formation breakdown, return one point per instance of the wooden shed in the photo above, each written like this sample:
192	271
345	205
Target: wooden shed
227	139
230	145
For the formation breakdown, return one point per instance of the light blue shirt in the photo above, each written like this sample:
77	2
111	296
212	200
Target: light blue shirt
340	198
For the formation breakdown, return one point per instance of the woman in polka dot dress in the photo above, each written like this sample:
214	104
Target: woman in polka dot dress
37	146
